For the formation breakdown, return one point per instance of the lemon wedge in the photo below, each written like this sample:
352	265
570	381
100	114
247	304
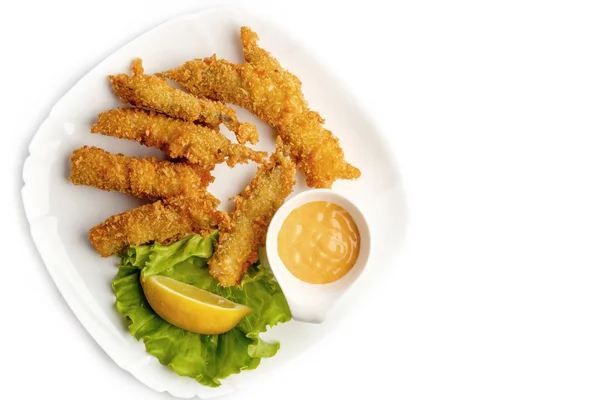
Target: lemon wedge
191	308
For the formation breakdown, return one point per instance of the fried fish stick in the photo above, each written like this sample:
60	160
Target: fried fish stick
153	92
254	208
145	178
275	96
260	91
162	221
178	139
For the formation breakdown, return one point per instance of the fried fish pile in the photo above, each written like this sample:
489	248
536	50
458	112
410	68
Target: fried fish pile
185	126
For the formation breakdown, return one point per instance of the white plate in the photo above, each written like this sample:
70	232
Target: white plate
61	214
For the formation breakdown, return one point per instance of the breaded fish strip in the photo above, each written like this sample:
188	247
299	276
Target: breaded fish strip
254	208
145	178
275	96
265	93
155	93
178	139
163	221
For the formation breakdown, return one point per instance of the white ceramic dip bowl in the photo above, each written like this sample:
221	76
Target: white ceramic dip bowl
311	302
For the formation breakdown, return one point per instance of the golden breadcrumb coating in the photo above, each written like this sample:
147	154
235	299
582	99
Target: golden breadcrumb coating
178	139
237	249
153	92
145	178
163	221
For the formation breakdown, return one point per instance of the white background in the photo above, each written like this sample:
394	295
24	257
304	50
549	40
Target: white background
493	109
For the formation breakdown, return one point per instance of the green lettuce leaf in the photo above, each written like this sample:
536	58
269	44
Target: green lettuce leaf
206	358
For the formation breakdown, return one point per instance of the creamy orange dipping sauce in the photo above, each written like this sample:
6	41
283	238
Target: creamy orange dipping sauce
318	242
